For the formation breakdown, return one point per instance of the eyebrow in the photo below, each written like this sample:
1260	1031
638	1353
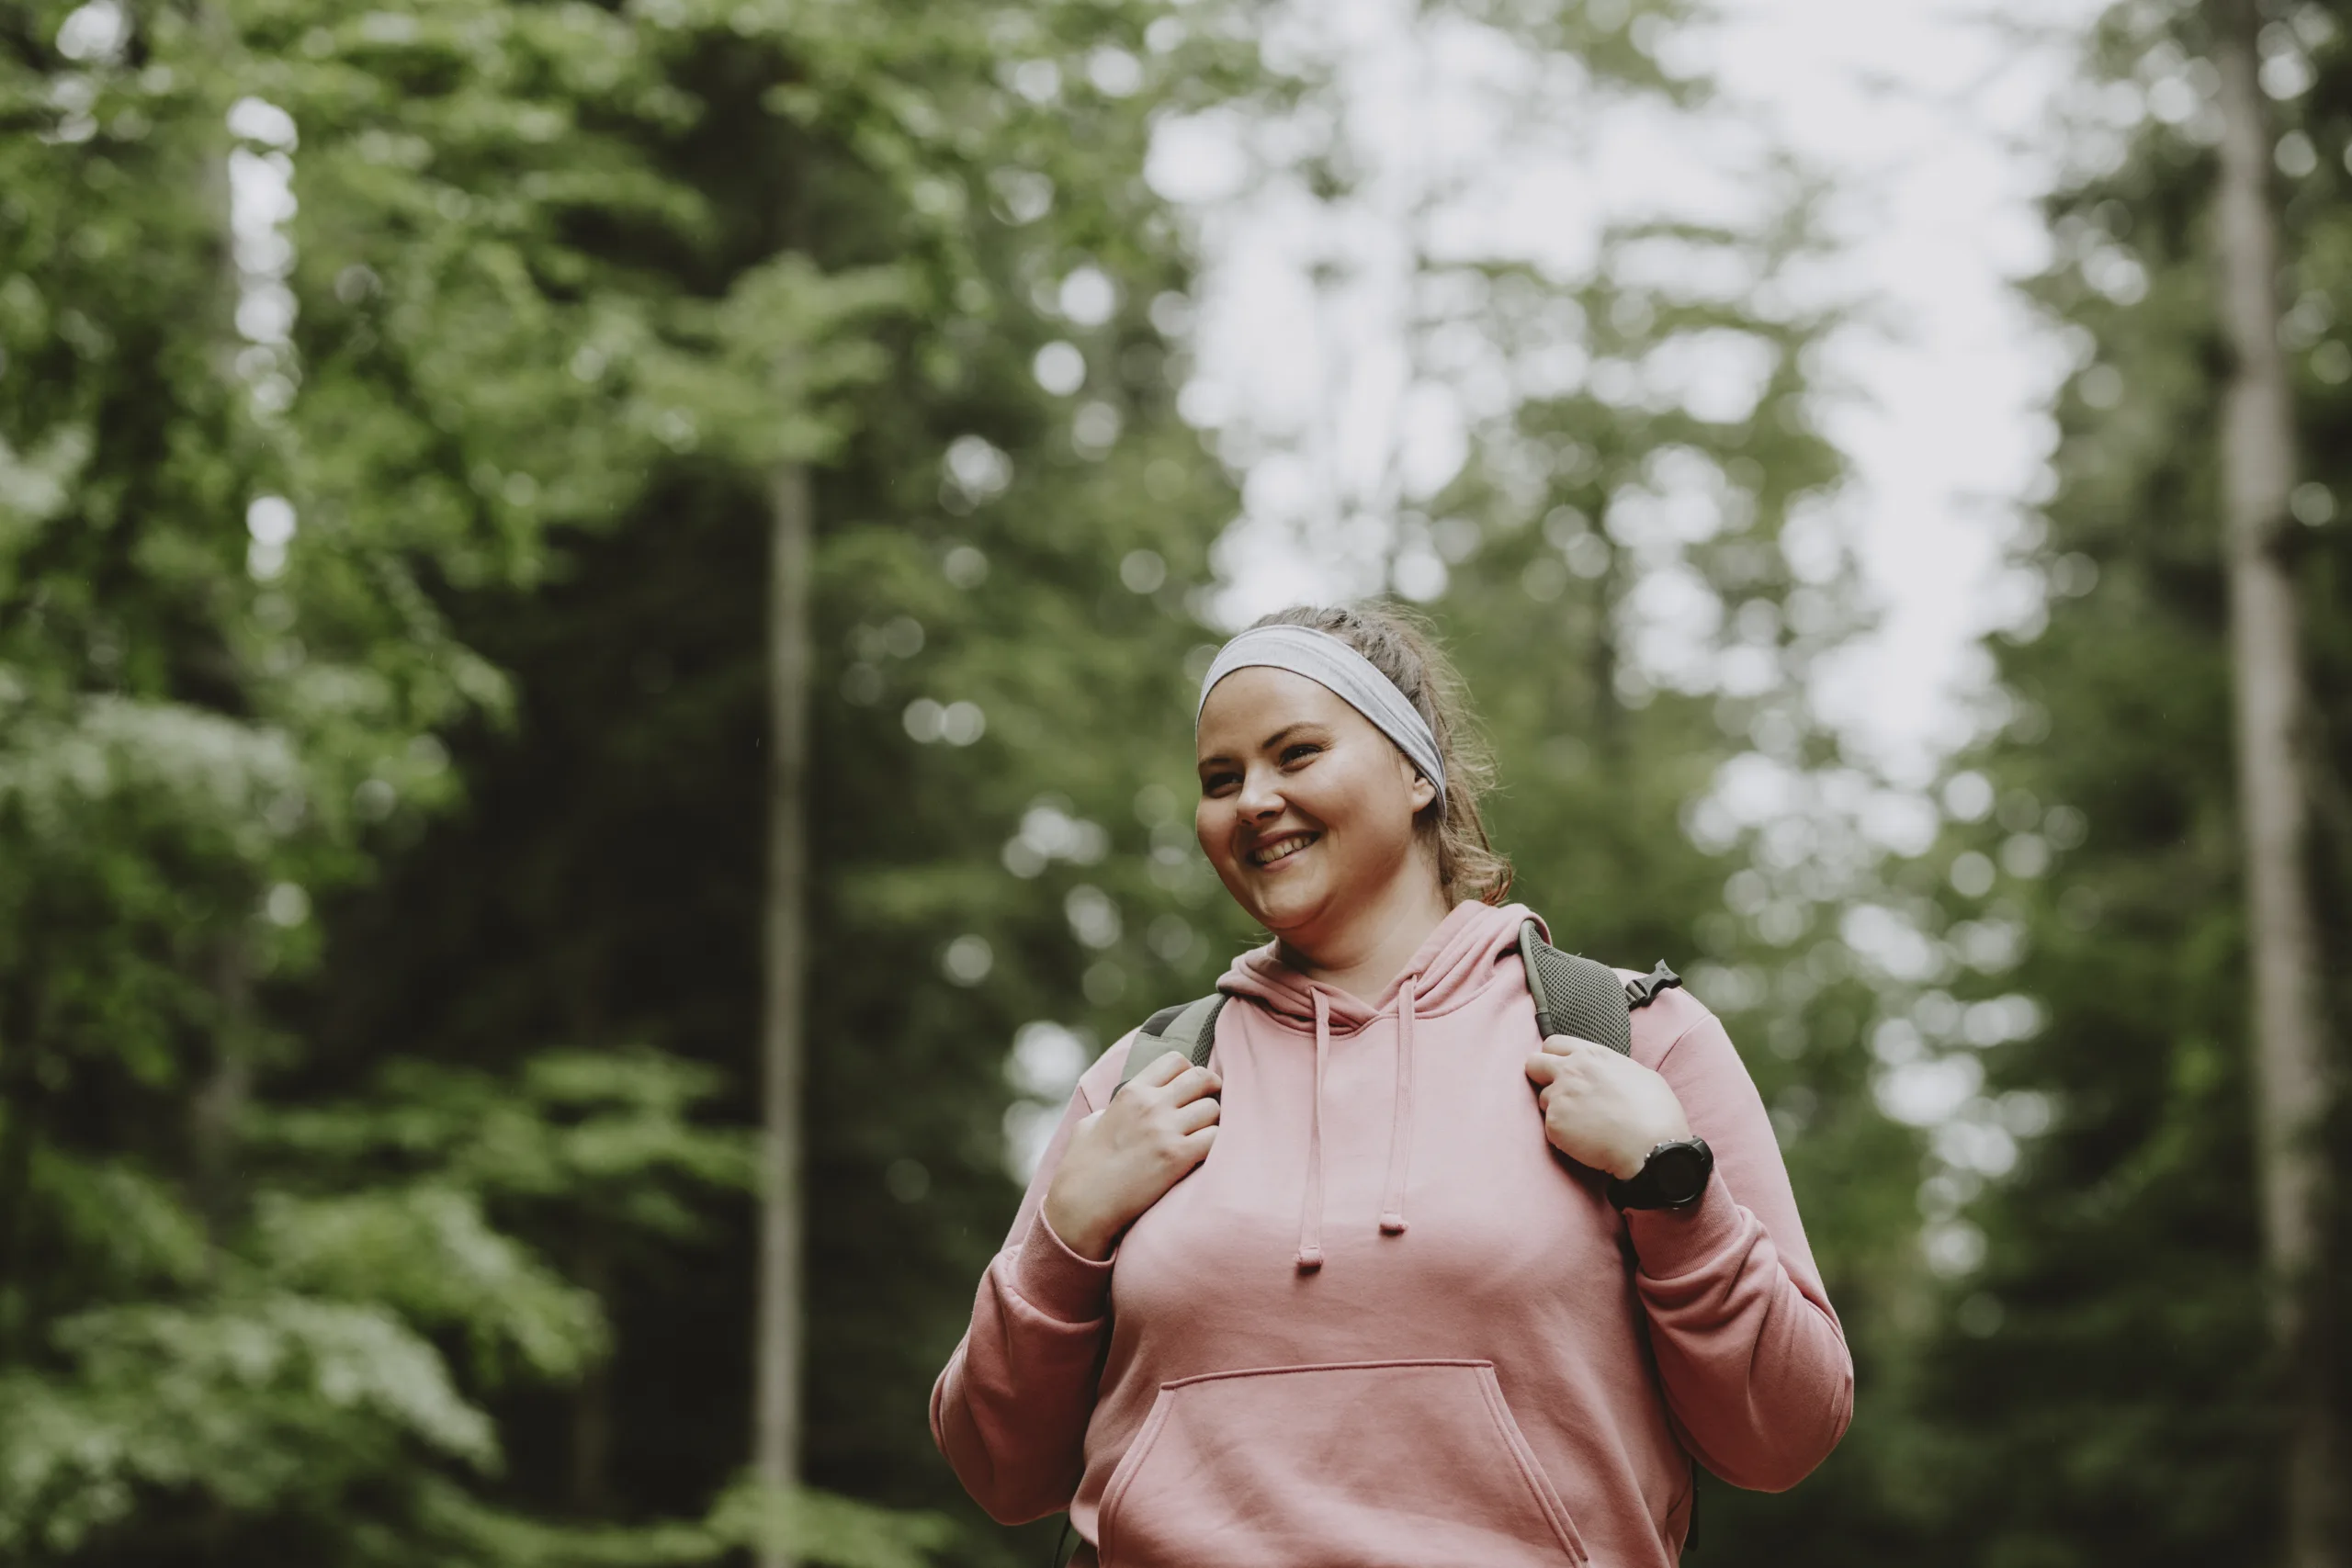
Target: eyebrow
1269	741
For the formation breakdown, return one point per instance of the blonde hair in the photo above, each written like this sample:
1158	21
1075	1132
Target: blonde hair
1404	647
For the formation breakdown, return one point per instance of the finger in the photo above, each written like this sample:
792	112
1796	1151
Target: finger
1193	1084
1567	1044
1196	1144
1542	1067
1199	1113
1163	1070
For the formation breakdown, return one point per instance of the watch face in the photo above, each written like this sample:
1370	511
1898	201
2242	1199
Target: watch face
1678	1173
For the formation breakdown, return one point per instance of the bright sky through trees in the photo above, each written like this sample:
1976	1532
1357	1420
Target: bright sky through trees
1924	124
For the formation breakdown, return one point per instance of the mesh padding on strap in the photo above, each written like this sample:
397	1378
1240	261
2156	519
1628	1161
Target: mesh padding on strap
1576	996
1190	1028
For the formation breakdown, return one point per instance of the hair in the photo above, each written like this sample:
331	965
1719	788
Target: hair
1404	647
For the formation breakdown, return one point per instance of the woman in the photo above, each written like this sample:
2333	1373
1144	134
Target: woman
1334	1299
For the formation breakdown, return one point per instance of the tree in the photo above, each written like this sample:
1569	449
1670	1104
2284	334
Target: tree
2292	1074
2106	1386
780	1342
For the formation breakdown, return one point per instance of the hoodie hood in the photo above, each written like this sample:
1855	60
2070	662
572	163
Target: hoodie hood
1461	957
1475	946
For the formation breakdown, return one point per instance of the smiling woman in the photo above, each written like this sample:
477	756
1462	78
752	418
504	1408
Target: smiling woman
1319	820
1380	1312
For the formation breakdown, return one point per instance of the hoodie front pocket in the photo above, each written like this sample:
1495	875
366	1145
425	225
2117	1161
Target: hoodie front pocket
1370	1464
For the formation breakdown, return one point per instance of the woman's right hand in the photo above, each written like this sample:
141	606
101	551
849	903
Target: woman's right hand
1123	1158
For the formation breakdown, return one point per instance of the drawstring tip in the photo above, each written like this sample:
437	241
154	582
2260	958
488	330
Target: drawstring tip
1310	1259
1392	1225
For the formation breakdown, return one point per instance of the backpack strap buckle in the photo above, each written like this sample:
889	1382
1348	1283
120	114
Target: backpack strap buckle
1642	992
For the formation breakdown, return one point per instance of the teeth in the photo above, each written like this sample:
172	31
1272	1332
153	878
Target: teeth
1283	850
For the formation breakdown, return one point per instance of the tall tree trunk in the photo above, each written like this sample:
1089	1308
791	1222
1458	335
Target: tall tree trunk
2291	1075
222	1093
776	1421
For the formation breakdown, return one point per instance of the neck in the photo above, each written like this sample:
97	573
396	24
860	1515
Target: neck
1364	956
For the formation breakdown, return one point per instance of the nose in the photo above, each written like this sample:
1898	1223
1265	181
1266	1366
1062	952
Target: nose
1258	797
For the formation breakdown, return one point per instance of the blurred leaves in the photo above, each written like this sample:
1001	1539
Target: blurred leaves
260	1401
604	1134
817	1526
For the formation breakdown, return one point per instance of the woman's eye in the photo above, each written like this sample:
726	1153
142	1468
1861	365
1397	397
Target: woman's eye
1212	784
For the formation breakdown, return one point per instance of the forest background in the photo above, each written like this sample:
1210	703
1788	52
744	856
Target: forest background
446	450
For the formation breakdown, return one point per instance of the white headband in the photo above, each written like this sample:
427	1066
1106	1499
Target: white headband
1357	681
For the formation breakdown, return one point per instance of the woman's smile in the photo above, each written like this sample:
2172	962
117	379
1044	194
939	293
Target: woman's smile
1280	850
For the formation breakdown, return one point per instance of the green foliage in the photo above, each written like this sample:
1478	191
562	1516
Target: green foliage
312	322
817	1526
261	1403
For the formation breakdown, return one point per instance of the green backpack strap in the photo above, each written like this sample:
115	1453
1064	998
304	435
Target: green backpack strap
1189	1027
1576	996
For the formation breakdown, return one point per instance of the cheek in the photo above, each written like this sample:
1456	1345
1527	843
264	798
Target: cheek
1370	804
1209	827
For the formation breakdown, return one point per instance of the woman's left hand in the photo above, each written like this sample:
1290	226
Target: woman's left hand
1602	1109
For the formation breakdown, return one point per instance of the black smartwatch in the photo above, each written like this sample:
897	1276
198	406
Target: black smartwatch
1674	1176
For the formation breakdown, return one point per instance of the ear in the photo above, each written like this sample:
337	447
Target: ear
1418	790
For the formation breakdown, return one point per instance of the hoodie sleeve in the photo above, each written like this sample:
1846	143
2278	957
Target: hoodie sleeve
1758	1378
1011	1410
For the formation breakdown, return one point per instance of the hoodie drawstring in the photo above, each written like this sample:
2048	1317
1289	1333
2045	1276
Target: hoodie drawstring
1310	1210
1400	1131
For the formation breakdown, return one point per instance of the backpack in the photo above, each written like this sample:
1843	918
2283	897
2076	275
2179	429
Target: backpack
1573	995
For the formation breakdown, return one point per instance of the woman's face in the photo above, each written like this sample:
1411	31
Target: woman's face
1306	809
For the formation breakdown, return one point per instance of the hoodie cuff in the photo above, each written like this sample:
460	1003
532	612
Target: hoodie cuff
1672	1242
1056	1281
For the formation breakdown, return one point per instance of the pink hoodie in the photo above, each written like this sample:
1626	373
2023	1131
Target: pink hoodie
1384	1324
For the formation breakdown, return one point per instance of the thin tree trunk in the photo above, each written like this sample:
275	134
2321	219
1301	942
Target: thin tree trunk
219	1104
776	1421
225	1090
2292	1077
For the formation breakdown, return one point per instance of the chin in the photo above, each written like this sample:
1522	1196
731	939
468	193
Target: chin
1286	910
